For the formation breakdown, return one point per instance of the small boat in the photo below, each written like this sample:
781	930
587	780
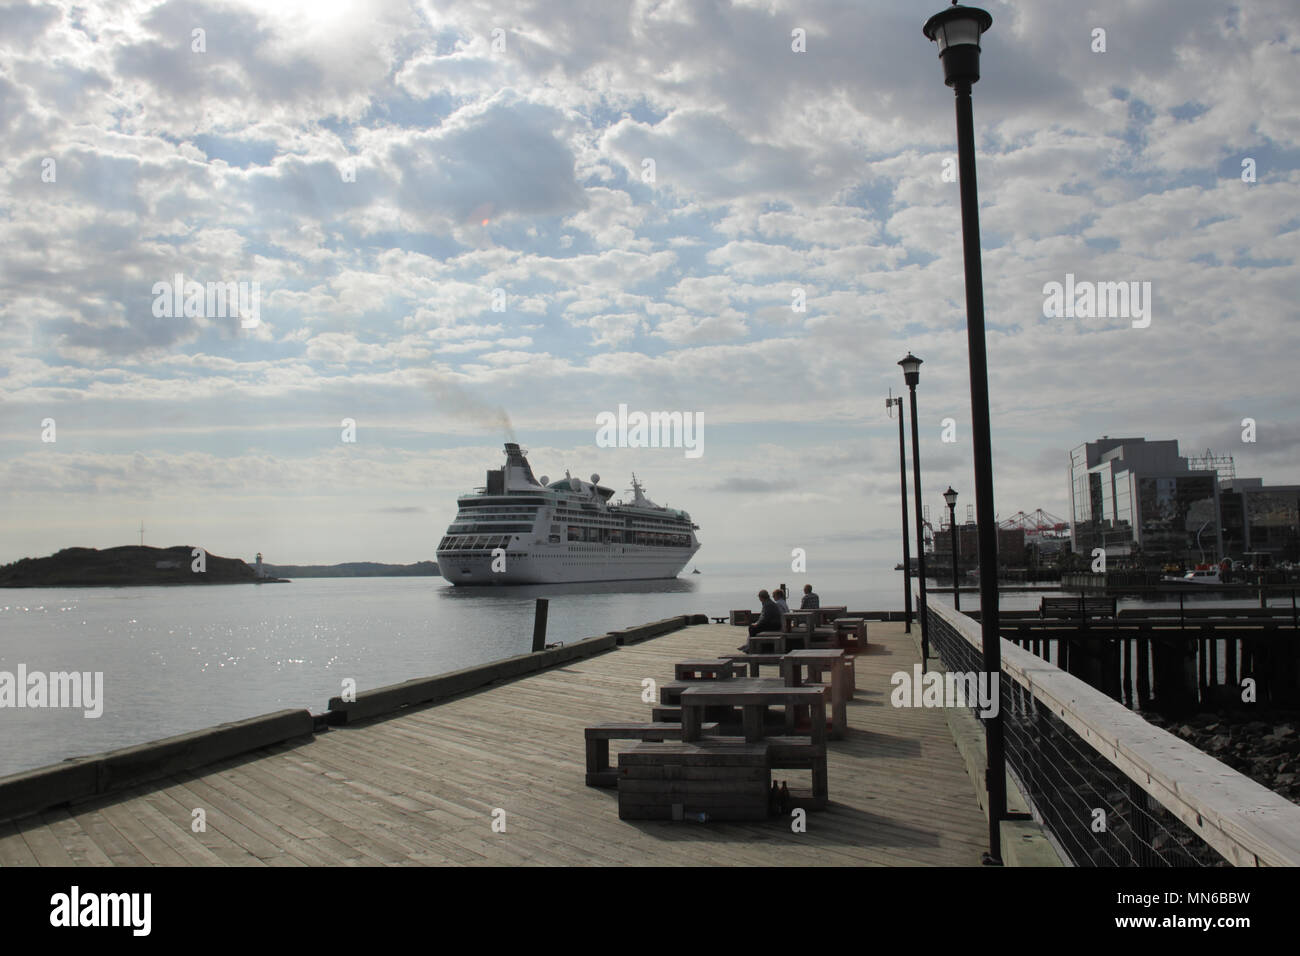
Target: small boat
1202	576
695	570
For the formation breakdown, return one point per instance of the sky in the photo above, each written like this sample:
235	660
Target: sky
472	221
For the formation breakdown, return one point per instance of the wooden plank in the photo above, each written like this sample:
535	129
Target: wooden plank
114	844
14	850
45	846
79	844
142	839
174	829
347	830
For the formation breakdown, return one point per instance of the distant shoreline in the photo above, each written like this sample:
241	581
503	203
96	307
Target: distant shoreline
177	566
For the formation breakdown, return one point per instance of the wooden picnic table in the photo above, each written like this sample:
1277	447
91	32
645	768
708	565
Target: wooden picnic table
709	669
775	642
792	666
753	695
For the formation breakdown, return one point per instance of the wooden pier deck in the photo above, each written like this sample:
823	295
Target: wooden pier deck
421	787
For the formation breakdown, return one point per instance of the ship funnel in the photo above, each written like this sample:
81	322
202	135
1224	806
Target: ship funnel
518	472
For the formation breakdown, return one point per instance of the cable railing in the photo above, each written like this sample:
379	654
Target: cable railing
1110	788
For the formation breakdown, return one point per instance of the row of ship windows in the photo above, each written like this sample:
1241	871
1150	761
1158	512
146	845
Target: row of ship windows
612	536
460	527
454	542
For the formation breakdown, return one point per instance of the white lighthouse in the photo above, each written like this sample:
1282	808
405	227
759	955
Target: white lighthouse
261	571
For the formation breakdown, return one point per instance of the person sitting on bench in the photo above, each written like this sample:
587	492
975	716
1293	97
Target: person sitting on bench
769	619
778	598
810	600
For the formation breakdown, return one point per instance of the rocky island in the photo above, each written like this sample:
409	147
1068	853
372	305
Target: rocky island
129	566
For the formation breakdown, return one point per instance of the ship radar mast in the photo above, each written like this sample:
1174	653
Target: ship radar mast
638	491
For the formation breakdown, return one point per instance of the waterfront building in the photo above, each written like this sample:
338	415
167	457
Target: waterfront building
1260	519
1135	497
1011	546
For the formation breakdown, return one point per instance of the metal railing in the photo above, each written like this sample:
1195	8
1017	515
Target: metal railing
1110	788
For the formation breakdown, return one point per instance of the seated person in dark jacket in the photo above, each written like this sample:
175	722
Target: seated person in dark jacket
769	619
810	600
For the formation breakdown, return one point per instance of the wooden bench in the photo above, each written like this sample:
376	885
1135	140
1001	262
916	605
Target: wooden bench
854	627
774	642
599	773
670	692
718	780
795	753
801	753
719	620
798	622
827	614
1080	608
743	617
755	661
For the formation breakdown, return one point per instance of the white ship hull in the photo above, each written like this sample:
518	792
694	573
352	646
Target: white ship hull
561	565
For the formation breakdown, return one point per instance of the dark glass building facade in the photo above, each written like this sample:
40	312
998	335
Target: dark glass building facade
1259	518
1138	499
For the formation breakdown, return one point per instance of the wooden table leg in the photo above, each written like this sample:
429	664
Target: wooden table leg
753	722
839	702
818	713
792	672
821	787
690	722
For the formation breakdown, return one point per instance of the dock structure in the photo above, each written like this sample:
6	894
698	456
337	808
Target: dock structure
426	785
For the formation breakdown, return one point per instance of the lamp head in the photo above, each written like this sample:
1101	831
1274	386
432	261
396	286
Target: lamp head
957	31
911	369
950	496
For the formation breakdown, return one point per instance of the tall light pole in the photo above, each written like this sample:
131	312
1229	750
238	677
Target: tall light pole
902	485
957	32
950	496
911	375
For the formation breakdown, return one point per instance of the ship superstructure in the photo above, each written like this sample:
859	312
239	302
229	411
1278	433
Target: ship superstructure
518	529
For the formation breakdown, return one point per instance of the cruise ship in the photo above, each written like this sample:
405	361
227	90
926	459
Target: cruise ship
518	529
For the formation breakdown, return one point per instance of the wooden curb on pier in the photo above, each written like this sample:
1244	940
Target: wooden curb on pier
81	778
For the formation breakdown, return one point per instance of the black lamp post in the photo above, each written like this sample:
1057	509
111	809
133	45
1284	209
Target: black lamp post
957	31
911	375
902	484
950	496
